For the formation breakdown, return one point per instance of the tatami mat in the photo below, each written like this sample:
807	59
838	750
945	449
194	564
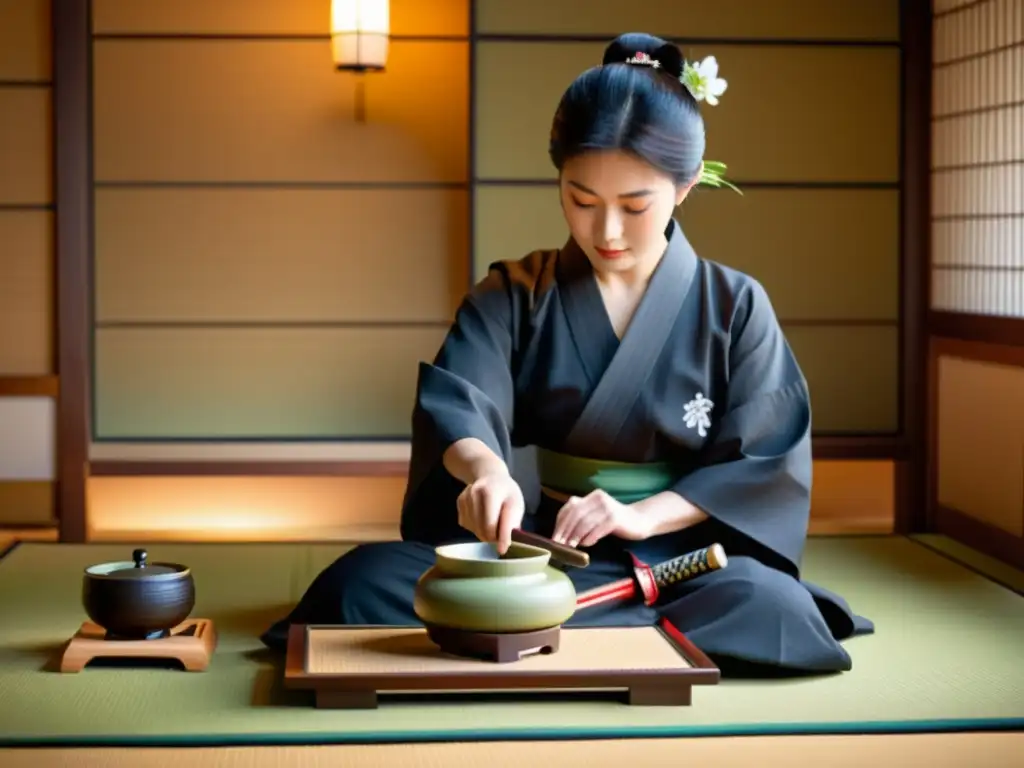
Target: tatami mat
946	657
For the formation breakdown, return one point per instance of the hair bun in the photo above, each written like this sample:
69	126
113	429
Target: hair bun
626	46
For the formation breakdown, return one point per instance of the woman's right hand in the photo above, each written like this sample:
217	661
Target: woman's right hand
491	507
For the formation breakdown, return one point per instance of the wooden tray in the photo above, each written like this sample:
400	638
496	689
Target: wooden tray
348	666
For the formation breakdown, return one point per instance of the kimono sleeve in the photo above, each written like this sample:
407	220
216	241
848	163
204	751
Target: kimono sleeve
756	474
467	391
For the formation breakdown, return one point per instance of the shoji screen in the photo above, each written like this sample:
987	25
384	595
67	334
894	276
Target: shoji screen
267	267
978	273
268	273
809	127
27	376
978	158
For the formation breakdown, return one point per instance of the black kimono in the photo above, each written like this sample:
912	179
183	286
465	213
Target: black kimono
702	397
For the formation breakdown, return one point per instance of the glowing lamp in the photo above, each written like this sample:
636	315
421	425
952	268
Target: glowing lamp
359	34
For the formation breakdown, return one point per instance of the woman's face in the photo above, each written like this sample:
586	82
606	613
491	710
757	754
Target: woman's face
617	208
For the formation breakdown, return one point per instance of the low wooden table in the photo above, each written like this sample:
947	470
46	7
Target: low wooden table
348	666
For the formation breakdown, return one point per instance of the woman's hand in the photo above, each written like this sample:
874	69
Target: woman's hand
582	522
490	507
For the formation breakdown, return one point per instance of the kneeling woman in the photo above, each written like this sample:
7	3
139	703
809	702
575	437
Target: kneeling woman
666	408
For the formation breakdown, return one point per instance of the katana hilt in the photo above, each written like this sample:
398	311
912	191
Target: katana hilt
688	566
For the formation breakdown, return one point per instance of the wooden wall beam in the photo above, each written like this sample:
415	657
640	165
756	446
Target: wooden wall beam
247	468
988	329
997	354
915	217
29	386
981	536
72	118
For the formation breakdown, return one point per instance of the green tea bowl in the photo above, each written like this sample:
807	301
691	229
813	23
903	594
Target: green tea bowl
471	587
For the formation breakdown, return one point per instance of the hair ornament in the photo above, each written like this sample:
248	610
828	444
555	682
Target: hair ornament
644	59
702	81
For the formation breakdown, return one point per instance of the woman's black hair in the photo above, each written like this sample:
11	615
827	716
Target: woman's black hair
634	107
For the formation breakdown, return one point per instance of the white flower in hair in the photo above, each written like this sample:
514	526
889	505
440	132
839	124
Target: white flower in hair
703	81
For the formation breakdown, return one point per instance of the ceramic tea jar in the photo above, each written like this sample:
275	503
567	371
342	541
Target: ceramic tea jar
138	600
471	587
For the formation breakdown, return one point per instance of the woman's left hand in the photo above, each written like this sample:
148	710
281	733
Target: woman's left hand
583	521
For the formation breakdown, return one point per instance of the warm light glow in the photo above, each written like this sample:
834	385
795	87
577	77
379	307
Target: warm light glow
255	508
359	34
848	497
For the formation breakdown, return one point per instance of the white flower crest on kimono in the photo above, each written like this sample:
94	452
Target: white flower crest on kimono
703	81
697	414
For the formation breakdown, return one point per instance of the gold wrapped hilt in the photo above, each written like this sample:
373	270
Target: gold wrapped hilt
690	565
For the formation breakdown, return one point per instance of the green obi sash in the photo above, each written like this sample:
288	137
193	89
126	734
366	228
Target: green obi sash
626	482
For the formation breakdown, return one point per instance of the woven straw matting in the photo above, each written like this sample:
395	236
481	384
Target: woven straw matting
947	655
410	651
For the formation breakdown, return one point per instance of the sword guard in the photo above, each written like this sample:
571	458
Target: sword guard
645	579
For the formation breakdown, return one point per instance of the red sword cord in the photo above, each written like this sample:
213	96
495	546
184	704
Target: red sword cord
623	589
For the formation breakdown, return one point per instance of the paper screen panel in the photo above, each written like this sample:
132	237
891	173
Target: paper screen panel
272	110
26	293
822	255
981	441
978	161
984	137
267	17
758	19
994	190
27	438
765	129
517	90
511	221
258	383
984	82
262	255
976	29
25	50
996	243
979	291
25	145
853	375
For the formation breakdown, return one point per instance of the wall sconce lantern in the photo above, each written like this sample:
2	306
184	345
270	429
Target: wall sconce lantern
360	30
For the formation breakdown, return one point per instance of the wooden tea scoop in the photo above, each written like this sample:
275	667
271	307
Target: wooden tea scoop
561	553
